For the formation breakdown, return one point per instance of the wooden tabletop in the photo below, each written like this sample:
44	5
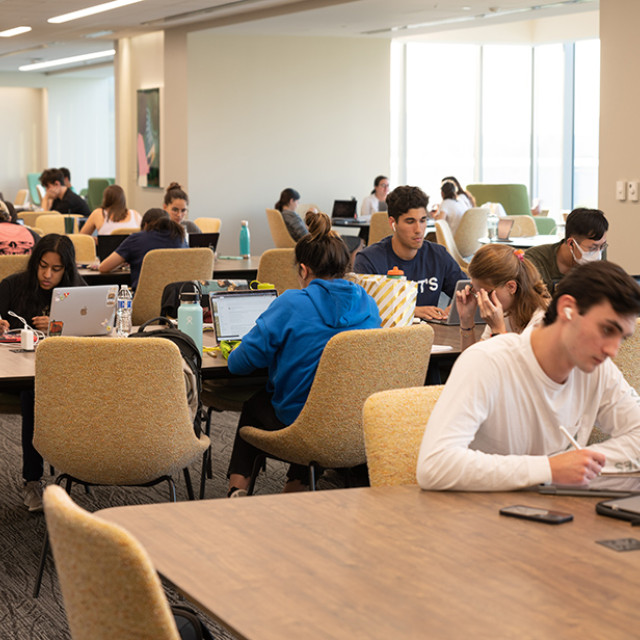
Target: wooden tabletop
394	563
524	242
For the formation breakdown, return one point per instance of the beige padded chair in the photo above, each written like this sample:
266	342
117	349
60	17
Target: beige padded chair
328	432
445	238
136	431
21	198
109	586
29	217
277	266
472	226
51	223
12	264
628	358
281	237
379	227
394	423
523	226
125	231
160	267
208	225
85	247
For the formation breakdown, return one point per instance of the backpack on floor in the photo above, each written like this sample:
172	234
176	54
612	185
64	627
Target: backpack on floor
191	362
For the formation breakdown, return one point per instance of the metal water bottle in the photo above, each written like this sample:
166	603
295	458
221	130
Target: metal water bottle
190	316
245	242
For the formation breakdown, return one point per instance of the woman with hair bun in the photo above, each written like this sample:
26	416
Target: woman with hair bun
176	204
288	340
507	289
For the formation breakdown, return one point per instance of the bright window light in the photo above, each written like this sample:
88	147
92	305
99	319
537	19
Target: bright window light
62	61
16	31
89	11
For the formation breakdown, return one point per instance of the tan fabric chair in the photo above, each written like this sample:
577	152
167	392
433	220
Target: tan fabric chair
208	225
445	238
108	582
133	428
12	264
85	247
523	226
628	358
277	266
379	227
160	267
328	432
394	423
30	217
472	226
281	237
51	223
21	198
124	231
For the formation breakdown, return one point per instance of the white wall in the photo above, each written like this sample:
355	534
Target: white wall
266	113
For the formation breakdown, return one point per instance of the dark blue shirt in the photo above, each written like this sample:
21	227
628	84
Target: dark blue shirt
433	268
137	245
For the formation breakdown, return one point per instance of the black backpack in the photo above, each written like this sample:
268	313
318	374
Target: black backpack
191	362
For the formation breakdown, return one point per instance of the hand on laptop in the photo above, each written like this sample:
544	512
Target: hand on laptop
40	322
431	313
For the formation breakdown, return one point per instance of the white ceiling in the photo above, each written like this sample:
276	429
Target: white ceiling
353	18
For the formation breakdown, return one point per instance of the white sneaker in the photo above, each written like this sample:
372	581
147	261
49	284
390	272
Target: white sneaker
32	492
234	492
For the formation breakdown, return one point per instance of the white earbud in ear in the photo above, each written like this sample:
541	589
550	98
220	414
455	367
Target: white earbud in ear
568	314
393	226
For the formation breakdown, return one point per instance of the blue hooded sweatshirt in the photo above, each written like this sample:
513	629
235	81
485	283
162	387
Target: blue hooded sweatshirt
289	337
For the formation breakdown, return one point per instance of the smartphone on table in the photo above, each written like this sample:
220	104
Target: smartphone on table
536	513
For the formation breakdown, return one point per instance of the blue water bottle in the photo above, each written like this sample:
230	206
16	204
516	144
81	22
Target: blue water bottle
245	242
190	316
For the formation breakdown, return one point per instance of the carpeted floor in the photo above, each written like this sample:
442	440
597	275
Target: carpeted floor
25	618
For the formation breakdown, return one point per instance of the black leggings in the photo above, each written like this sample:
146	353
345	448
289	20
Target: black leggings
32	465
258	412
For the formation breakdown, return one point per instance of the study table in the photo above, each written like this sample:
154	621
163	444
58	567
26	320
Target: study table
394	562
524	242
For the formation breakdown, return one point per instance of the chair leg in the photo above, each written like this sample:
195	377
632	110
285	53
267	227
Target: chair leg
312	476
172	489
206	457
187	481
259	463
208	432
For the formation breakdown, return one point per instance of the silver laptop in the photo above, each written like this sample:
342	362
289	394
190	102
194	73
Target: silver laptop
83	311
235	313
454	317
504	229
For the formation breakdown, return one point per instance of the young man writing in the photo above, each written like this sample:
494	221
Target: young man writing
497	424
61	198
585	238
426	263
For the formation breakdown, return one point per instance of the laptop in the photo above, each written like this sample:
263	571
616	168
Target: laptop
504	229
234	313
344	210
108	244
204	240
83	311
454	317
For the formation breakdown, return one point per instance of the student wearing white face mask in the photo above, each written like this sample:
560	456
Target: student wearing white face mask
585	239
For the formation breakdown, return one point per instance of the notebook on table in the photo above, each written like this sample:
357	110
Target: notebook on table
204	240
454	316
83	311
234	313
108	244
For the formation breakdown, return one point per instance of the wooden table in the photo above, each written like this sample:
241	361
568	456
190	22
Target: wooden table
524	242
394	563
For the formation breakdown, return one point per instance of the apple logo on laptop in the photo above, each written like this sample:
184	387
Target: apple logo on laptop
83	311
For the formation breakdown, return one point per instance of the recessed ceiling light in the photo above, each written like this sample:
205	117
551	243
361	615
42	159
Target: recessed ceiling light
16	31
90	11
62	61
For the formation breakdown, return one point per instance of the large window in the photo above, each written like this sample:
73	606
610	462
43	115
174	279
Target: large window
501	114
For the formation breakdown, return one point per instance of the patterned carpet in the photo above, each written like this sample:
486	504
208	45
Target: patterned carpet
25	618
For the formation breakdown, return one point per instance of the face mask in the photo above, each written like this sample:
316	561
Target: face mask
586	256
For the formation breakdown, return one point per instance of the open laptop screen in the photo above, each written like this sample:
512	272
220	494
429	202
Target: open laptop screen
108	244
204	240
235	312
344	209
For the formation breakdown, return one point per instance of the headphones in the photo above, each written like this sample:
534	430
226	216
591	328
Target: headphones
568	314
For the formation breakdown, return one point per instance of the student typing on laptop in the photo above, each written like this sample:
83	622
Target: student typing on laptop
28	294
288	340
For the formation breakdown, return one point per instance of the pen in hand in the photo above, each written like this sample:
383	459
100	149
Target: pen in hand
571	439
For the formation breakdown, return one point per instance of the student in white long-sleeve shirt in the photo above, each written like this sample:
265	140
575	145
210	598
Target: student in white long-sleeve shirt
496	425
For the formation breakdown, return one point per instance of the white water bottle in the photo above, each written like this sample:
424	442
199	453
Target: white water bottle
123	314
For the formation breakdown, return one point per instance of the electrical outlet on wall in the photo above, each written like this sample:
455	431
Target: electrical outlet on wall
632	190
621	190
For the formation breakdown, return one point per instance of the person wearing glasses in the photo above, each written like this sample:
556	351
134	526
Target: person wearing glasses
376	200
585	239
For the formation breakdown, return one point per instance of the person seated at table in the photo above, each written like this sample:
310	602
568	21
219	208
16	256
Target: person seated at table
496	426
585	238
28	294
112	214
159	231
507	289
427	263
288	340
60	198
466	197
176	204
450	209
286	205
15	239
376	200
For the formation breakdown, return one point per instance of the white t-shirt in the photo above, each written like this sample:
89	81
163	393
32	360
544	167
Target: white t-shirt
498	416
370	205
536	320
453	211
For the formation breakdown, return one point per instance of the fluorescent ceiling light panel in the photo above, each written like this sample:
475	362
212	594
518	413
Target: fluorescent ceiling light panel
90	11
16	31
62	61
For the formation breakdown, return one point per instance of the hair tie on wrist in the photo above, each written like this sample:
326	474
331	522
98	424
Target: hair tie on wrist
519	253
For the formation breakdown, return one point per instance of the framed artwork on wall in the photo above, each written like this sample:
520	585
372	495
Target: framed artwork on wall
148	137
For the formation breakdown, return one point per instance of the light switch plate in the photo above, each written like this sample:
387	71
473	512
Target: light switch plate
632	190
621	190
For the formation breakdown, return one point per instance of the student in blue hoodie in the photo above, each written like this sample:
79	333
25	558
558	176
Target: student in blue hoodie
289	338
